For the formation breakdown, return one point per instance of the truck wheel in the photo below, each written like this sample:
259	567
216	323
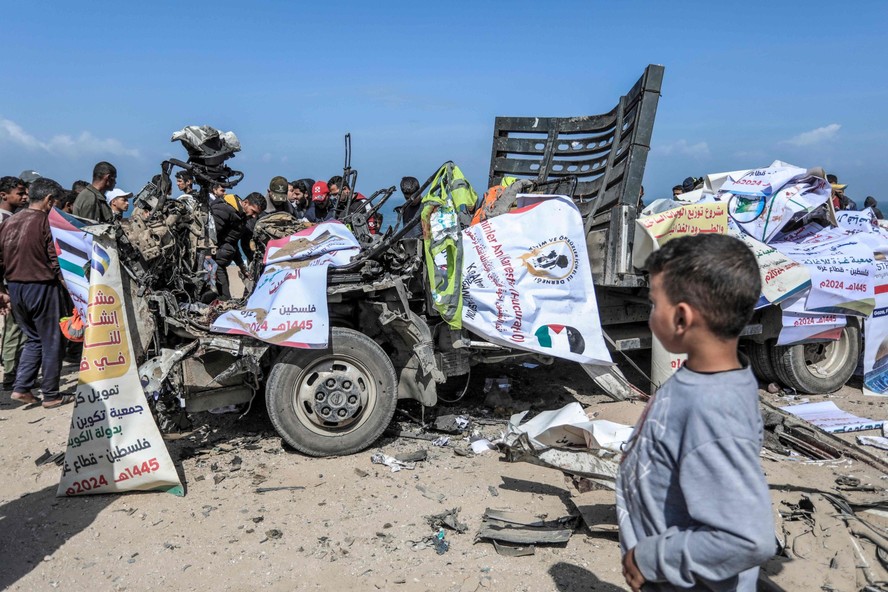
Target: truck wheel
333	401
760	359
818	368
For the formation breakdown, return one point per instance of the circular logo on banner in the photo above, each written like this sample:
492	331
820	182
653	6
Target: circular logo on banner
745	209
552	261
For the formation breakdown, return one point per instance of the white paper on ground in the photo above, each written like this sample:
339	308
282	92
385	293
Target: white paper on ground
877	441
829	418
568	426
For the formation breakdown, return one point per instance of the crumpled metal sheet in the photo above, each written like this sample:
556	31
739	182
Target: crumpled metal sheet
154	371
197	135
523	529
598	465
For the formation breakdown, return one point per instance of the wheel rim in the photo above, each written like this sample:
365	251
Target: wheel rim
334	395
825	359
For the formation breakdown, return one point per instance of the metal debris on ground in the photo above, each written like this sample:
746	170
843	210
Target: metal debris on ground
49	457
394	464
523	529
450	519
437	497
600	466
280	488
451	424
272	535
442	441
412	457
507	550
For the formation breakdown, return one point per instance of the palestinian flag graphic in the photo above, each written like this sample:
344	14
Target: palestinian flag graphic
73	247
560	337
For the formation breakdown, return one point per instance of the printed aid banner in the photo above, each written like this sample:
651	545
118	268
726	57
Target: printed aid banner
782	278
527	283
657	229
875	354
289	305
114	443
841	268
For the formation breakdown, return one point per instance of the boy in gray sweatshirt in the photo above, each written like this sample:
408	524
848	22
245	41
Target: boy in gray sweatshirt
692	501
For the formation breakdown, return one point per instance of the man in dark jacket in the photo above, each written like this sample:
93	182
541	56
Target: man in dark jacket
30	268
91	203
228	223
254	207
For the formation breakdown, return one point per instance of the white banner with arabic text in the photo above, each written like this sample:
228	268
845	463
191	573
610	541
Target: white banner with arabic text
527	283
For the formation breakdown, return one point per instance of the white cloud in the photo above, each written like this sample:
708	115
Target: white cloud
815	136
683	148
63	144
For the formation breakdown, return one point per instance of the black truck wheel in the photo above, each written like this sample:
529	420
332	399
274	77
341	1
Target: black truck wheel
760	359
333	401
818	368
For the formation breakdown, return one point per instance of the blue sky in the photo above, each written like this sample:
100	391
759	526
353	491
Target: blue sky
419	83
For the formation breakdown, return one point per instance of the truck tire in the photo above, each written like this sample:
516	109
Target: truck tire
760	359
332	401
818	368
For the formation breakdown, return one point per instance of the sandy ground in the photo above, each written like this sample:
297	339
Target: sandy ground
352	524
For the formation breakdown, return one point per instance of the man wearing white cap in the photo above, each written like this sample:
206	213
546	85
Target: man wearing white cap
118	199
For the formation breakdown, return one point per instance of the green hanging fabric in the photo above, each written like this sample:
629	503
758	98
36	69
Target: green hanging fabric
447	208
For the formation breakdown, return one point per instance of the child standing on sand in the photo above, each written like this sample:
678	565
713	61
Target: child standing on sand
692	501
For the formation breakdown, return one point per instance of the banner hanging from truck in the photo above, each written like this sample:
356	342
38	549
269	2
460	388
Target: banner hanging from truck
113	444
289	304
527	282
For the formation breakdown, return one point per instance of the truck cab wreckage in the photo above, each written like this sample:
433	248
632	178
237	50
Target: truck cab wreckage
388	339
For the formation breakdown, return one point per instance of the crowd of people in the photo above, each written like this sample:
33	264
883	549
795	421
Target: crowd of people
33	297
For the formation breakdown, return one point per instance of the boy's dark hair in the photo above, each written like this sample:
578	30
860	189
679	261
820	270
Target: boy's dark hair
41	188
716	274
185	176
677	188
8	183
103	168
256	199
70	198
409	186
337	180
79	186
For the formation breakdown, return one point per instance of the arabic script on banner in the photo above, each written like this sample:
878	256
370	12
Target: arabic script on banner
527	283
289	304
113	444
657	229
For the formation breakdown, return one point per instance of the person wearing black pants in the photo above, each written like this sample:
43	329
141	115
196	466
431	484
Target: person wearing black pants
228	223
37	308
29	265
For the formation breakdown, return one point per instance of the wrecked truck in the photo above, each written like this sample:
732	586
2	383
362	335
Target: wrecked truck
387	340
600	162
